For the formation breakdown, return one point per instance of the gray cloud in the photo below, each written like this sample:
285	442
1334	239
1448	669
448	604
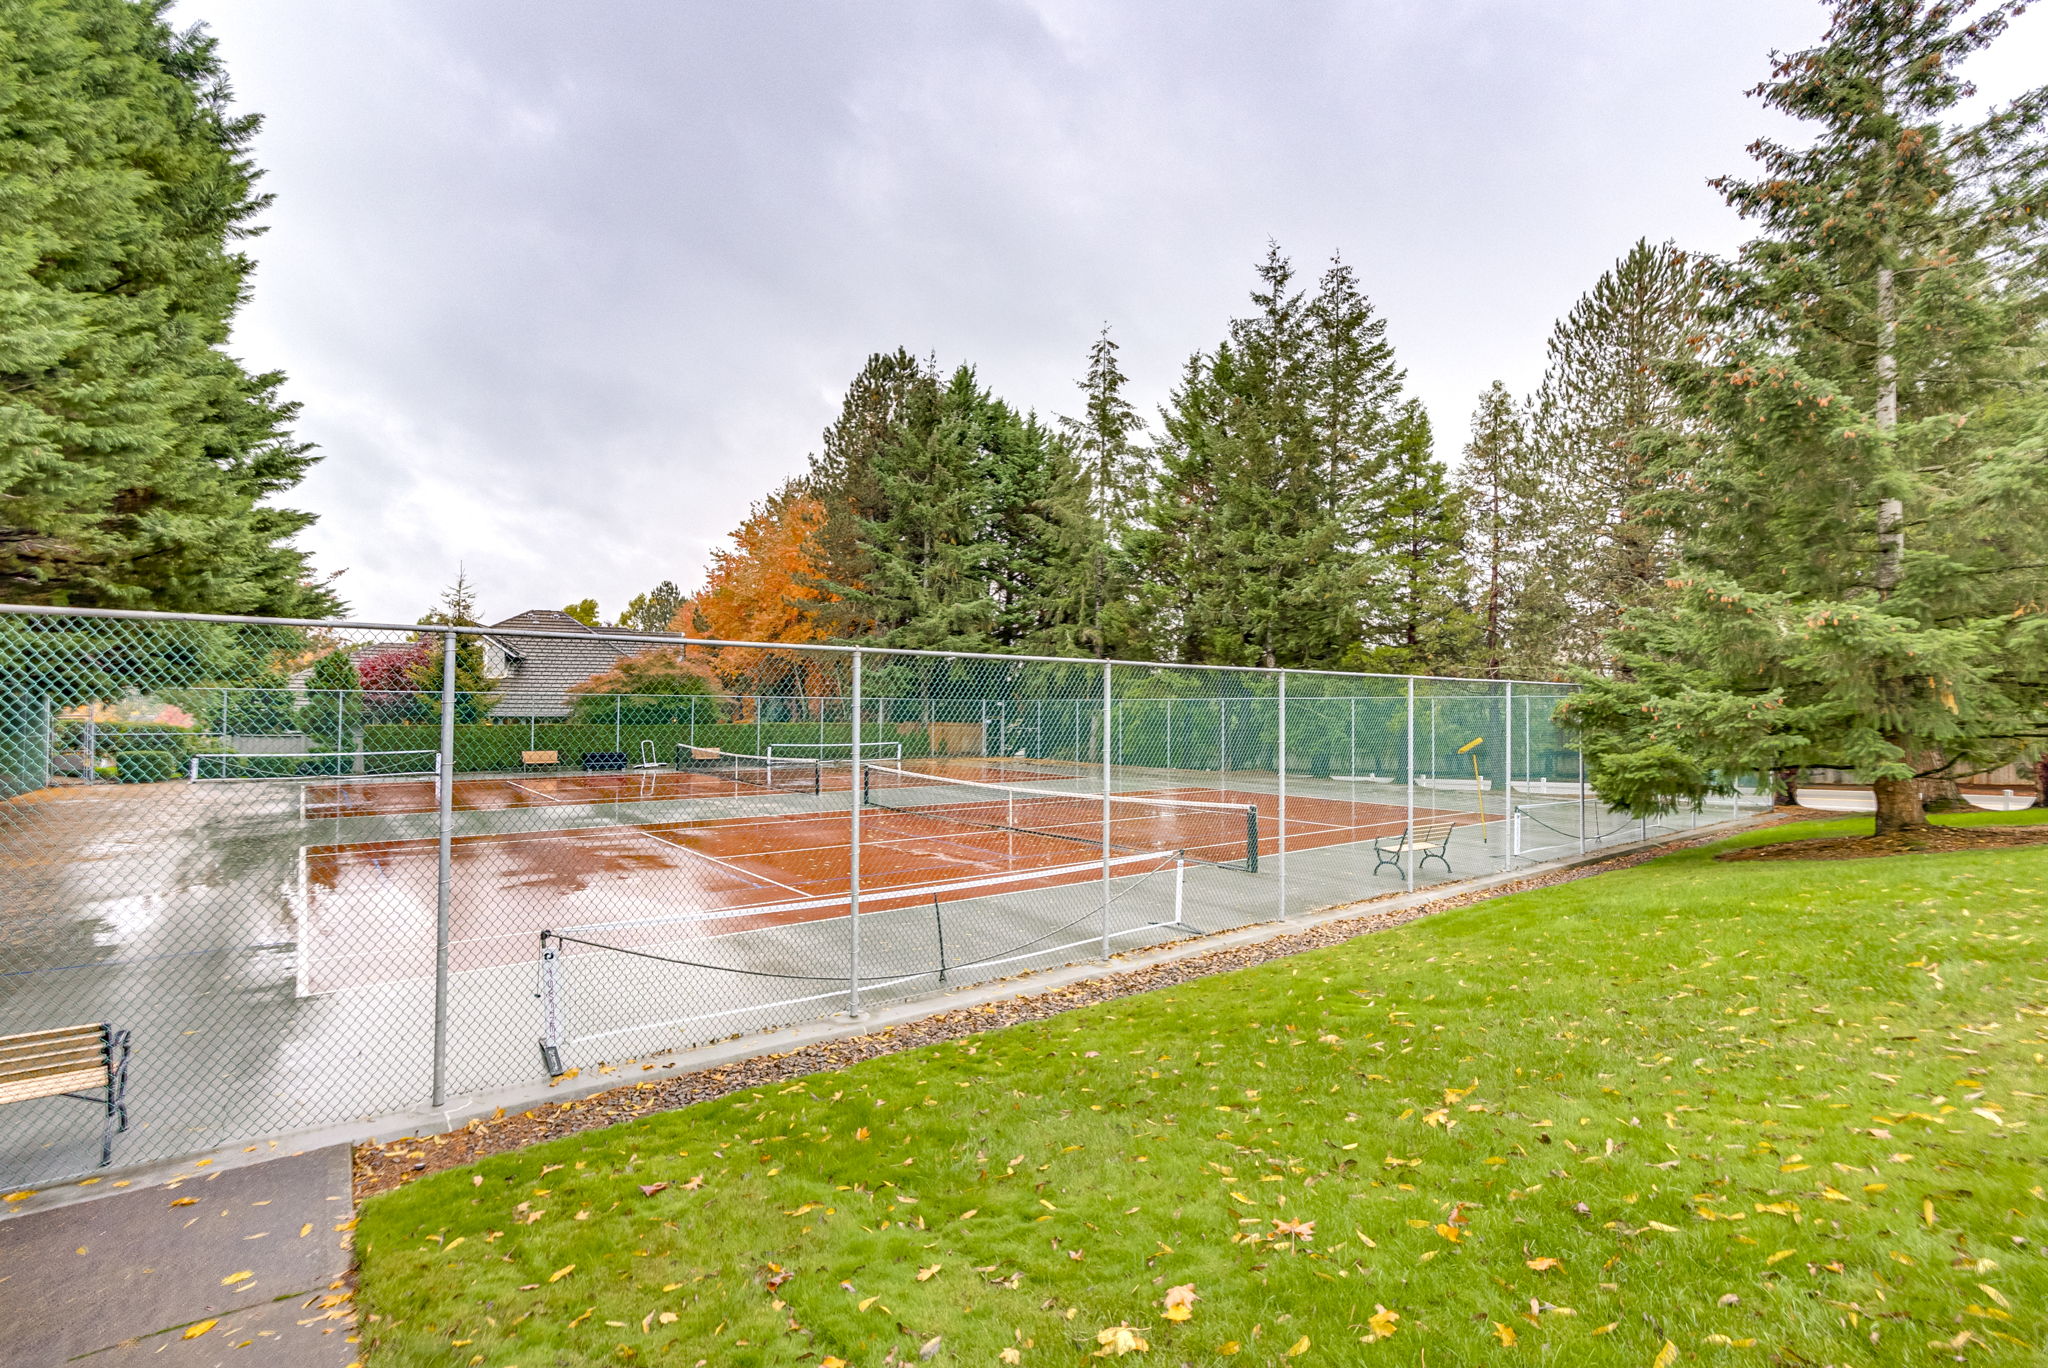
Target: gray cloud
564	288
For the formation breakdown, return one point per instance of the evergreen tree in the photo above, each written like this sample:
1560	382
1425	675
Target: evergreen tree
1267	470
1419	621
1498	485
1865	349
891	390
922	550
1603	390
137	458
655	610
1042	543
457	608
1105	448
333	710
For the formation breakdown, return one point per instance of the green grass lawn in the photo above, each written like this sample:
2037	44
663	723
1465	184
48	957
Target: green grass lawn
1762	1113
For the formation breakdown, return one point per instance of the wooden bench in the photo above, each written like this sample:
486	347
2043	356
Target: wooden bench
61	1062
1428	842
540	759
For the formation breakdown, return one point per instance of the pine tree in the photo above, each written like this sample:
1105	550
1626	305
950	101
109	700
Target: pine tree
333	711
1354	401
1603	390
922	550
1498	486
890	390
655	610
137	458
1254	520
457	607
1864	349
1042	543
1105	448
1419	621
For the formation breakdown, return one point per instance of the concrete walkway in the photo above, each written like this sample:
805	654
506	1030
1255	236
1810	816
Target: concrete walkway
240	1266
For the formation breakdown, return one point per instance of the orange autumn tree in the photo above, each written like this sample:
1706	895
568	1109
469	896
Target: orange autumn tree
765	588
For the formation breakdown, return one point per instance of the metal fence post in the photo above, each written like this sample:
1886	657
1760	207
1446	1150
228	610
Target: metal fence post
854	783
1580	751
1409	832
1507	791
1280	770
444	880
1107	670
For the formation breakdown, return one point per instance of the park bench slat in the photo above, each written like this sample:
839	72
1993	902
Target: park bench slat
70	1061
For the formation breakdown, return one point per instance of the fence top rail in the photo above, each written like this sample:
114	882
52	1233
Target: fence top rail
646	640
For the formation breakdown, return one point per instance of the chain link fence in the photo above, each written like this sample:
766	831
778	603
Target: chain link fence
321	872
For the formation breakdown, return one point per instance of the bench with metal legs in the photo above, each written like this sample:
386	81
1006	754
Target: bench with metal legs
1427	842
88	1063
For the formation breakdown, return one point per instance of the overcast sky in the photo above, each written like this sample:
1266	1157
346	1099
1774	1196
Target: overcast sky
564	288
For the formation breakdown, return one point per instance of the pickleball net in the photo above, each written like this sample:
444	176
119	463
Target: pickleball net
781	773
1213	833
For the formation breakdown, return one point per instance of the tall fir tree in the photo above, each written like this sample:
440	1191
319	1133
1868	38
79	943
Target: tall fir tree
1105	441
1043	544
1603	389
1418	619
1859	582
891	390
922	551
1499	486
655	610
137	458
1269	479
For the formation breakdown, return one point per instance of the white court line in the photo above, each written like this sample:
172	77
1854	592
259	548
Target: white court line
749	874
514	783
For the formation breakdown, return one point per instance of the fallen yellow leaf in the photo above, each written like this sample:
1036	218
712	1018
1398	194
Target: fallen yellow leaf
868	1302
1228	1347
1119	1340
1299	1348
1010	1355
564	1271
927	1274
1605	1328
198	1328
1381	1323
1666	1356
231	1279
1505	1333
1544	1264
1781	1254
185	1201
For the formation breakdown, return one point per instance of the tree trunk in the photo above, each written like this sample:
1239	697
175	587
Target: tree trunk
1785	786
1898	805
2041	781
1939	791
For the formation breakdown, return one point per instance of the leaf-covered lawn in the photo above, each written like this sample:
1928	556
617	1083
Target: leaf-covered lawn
1746	1113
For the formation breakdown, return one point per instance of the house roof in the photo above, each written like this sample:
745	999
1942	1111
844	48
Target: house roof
541	670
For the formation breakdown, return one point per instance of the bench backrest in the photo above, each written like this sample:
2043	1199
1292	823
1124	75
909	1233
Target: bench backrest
49	1063
539	758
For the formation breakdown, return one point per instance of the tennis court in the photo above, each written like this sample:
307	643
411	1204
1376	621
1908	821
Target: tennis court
366	908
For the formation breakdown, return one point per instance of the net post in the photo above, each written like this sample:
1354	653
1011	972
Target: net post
857	794
1280	771
1180	869
1107	700
1251	838
444	877
550	996
1409	831
939	921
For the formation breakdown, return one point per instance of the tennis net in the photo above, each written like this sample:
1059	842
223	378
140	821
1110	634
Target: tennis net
782	773
1221	834
226	767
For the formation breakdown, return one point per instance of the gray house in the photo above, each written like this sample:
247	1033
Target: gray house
533	675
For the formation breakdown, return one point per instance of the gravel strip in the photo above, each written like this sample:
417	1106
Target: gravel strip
391	1164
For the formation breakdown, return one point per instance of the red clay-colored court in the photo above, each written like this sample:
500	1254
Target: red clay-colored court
368	909
372	796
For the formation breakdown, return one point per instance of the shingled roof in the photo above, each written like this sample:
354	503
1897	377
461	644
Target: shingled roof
536	673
